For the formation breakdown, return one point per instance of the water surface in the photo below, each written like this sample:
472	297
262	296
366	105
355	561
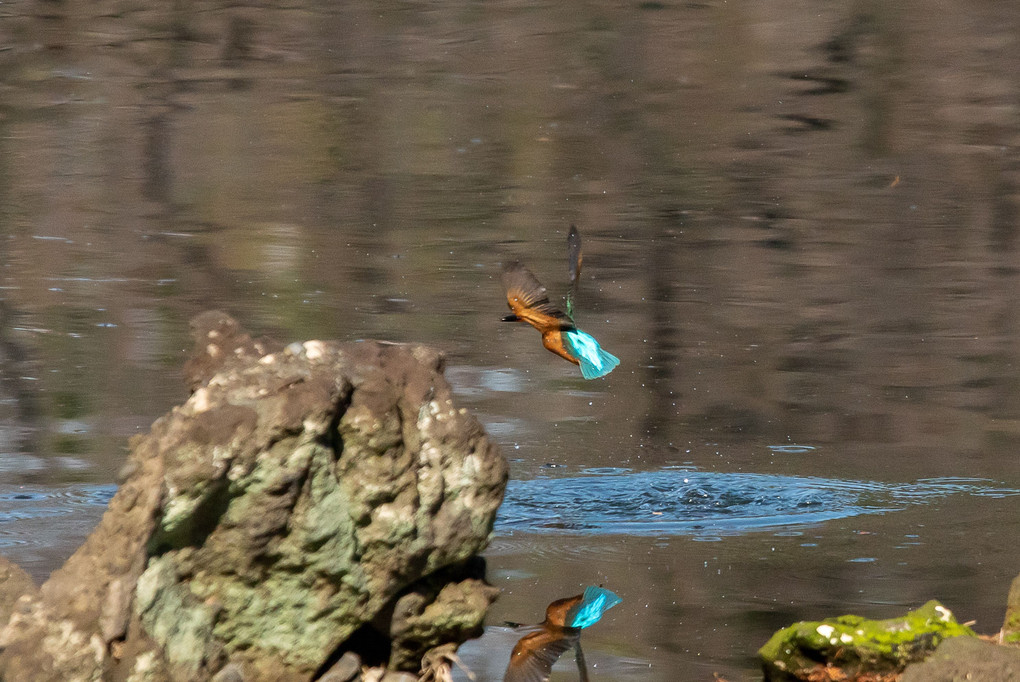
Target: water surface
801	239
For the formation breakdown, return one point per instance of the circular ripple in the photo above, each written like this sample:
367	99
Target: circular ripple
691	502
40	515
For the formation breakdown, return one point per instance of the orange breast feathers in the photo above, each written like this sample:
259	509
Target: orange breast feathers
553	340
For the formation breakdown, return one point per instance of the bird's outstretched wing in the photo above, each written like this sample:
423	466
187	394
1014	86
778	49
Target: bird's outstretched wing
533	657
528	299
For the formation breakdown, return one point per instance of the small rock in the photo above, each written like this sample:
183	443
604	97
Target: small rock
392	676
344	670
967	658
229	673
1011	624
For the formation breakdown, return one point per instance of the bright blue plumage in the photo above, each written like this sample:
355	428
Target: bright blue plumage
595	362
596	601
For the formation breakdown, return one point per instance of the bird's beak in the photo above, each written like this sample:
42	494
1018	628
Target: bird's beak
511	318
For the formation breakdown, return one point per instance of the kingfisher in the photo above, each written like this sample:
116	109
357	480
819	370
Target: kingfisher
529	302
534	655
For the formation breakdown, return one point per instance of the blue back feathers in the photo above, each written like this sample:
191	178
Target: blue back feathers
596	601
595	362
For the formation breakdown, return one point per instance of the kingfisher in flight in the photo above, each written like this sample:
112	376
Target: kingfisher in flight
529	302
534	655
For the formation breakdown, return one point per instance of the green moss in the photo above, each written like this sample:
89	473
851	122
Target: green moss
189	516
1011	626
279	619
294	602
856	643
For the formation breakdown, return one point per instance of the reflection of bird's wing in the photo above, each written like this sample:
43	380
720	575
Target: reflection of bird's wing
528	299
533	657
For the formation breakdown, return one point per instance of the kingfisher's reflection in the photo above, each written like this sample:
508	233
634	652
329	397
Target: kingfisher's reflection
534	655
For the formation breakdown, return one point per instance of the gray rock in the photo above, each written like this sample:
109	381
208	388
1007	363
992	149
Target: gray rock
962	659
344	670
296	499
399	677
229	673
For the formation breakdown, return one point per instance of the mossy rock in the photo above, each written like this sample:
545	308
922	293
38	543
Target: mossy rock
305	502
856	645
1011	624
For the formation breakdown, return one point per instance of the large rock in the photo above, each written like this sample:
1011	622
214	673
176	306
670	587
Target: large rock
302	504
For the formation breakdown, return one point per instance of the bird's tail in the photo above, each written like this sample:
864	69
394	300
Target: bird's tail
594	361
596	601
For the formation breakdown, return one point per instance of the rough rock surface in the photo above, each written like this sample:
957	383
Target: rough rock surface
1011	623
856	645
304	503
960	659
14	583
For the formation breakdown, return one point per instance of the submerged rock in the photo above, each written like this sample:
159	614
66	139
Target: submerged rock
302	504
856	645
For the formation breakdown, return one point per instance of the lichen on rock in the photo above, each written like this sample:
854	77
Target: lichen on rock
303	503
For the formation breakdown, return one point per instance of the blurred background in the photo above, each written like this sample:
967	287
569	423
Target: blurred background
800	225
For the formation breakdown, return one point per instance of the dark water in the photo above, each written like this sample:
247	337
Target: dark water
801	238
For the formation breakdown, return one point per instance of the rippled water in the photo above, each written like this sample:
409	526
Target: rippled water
685	501
42	525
